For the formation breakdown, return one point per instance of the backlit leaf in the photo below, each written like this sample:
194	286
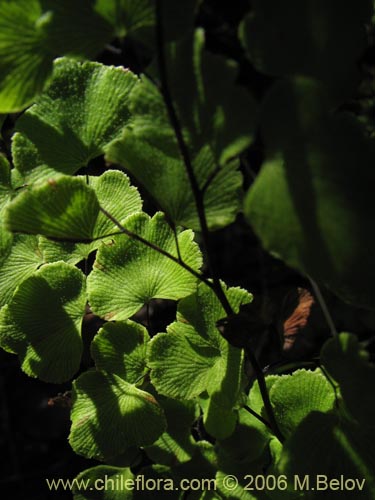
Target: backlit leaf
120	348
42	322
136	273
84	108
199	84
116	196
192	358
113	479
109	415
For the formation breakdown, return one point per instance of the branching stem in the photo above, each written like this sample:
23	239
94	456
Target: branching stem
149	244
199	203
184	151
257	369
256	415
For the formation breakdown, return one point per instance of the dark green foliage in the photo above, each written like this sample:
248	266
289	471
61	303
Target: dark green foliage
75	242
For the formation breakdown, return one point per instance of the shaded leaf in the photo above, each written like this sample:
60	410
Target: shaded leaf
313	38
351	369
127	17
32	34
332	448
309	205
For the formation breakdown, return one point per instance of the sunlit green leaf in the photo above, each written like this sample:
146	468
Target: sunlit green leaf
84	108
294	396
115	483
176	445
193	358
65	208
6	192
69	209
42	322
120	348
117	197
136	273
109	415
20	256
217	125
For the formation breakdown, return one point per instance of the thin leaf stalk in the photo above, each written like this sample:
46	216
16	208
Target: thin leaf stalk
184	151
199	203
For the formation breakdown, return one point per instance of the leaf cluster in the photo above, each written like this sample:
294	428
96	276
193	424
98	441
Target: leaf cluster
73	243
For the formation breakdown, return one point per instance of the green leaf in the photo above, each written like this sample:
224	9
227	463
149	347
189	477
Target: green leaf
176	445
20	257
202	466
42	322
308	38
6	194
136	20
115	483
308	183
64	208
349	366
203	309
83	34
217	125
117	197
136	273
6	191
193	358
67	208
127	17
120	348
209	104
183	364
249	439
237	491
84	108
332	448
32	34
110	415
295	396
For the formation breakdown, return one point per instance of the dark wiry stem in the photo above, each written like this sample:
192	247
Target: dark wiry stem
198	197
264	392
210	284
256	415
149	244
